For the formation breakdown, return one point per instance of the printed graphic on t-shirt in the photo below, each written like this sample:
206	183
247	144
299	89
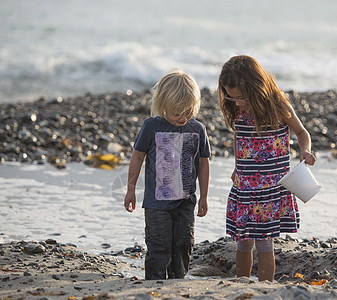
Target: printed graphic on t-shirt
174	164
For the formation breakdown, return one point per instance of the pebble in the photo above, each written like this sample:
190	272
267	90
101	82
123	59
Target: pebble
59	131
33	248
134	249
105	245
333	284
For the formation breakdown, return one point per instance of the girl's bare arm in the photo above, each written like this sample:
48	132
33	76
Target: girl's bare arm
303	136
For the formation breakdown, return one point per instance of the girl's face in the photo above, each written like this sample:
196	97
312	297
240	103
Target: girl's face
235	95
178	118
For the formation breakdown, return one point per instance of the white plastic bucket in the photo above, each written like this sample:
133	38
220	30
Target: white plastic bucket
301	182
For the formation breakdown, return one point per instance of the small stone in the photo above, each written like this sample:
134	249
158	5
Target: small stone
314	275
11	148
77	287
325	245
284	278
245	280
81	256
105	246
135	248
50	242
333	284
30	117
34	249
278	251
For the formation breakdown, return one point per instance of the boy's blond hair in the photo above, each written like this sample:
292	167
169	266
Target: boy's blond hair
176	92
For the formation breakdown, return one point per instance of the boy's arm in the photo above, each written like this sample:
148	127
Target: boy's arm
135	166
203	186
303	137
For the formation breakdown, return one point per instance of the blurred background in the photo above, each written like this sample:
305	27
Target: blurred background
70	47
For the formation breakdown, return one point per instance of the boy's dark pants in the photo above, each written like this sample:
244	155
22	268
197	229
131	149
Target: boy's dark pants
169	237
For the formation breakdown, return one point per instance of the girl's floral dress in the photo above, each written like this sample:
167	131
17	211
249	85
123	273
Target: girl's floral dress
258	207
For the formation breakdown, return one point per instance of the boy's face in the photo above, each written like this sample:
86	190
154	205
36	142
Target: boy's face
178	118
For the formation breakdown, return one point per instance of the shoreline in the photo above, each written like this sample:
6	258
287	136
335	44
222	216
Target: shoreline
53	270
82	128
48	202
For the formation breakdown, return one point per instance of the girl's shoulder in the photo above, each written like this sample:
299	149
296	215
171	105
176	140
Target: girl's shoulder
285	112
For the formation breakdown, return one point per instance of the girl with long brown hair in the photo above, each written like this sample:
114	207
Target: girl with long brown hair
258	208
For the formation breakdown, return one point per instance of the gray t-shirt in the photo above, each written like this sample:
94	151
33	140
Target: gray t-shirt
172	160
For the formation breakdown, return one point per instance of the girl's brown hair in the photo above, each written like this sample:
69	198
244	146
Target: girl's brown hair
265	100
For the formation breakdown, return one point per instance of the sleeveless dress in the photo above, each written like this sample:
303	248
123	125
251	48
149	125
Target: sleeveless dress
258	207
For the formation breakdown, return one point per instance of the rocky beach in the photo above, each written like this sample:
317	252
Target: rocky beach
75	88
49	270
99	130
60	130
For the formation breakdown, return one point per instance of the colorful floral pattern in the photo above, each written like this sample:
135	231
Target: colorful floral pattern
258	207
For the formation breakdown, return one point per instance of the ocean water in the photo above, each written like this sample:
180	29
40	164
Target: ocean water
70	47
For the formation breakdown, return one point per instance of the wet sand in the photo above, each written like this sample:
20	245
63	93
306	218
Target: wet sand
84	205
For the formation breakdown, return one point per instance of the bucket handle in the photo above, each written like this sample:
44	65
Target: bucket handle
303	162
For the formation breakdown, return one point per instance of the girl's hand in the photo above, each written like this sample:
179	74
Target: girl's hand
309	158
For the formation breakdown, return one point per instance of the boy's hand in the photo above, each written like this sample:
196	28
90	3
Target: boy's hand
202	207
130	201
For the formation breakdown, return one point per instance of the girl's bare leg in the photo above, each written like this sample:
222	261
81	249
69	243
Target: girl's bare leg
244	263
266	266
